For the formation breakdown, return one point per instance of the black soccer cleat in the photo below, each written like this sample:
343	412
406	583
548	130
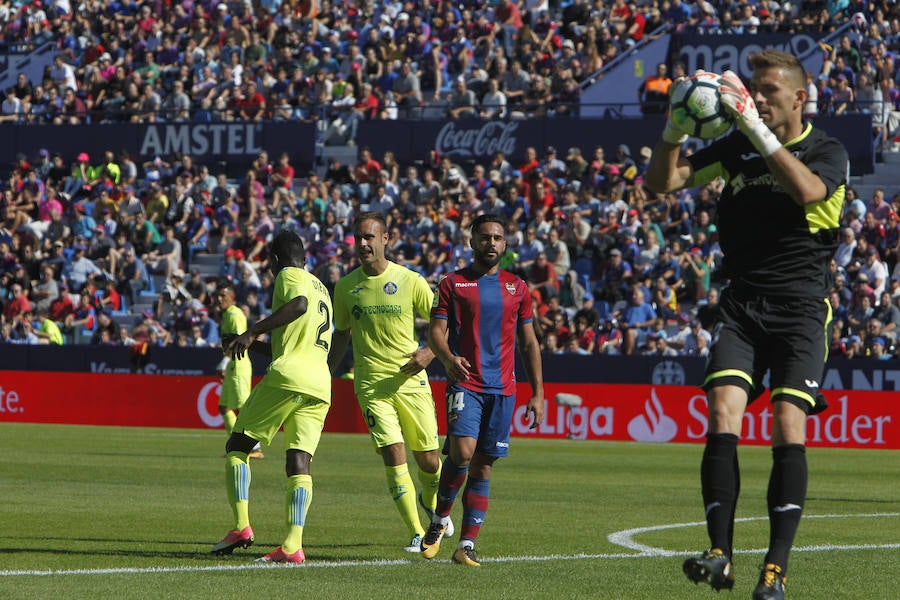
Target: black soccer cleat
714	568
771	584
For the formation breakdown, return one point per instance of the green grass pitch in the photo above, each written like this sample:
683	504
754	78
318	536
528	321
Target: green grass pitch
94	512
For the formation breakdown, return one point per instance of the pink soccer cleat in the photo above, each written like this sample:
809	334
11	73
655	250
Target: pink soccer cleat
234	539
279	556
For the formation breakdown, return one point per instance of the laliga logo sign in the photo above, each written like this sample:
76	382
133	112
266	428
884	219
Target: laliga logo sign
654	425
494	136
212	420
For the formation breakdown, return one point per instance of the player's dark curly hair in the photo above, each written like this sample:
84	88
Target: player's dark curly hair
488	218
288	246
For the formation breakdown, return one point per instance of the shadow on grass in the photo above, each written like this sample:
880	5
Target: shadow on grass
853	500
201	553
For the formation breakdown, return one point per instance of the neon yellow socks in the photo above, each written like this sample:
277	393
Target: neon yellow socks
428	487
403	491
298	495
237	481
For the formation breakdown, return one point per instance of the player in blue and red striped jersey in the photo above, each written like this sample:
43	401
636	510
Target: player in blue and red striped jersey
478	316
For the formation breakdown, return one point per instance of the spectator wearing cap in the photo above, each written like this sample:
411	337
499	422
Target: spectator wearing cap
99	247
843	100
696	275
854	347
233	256
44	164
80	176
623	158
613	281
691	339
80	268
552	166
173	297
877	349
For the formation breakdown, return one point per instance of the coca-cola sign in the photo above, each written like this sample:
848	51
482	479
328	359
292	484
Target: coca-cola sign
478	140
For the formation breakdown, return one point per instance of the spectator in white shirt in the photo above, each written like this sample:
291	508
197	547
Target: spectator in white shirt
493	104
62	74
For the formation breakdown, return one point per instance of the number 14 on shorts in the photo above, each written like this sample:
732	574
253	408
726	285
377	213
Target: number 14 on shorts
455	401
455	406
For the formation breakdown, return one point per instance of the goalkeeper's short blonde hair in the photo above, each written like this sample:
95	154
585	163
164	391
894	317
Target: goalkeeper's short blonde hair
776	59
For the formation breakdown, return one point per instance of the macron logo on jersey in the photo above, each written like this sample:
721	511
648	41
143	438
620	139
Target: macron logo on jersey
465	284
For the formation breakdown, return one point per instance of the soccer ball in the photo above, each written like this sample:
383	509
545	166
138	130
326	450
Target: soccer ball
696	107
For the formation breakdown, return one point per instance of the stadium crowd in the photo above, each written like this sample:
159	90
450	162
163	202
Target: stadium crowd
613	269
214	60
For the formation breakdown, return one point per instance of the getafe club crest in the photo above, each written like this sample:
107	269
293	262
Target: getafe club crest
511	288
390	288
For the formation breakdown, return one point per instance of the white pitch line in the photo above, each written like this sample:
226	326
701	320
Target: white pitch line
625	538
306	565
383	563
621	538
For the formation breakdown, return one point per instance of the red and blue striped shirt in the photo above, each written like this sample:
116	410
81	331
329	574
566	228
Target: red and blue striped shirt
483	313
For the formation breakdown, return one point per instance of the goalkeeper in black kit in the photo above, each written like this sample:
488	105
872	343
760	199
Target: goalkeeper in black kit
777	220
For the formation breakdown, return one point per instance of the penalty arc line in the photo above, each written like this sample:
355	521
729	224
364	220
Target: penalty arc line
626	538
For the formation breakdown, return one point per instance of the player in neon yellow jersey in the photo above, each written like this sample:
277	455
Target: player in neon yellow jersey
236	374
295	393
378	303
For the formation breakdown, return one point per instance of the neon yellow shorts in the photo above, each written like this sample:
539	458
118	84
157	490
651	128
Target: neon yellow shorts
408	417
235	391
268	408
